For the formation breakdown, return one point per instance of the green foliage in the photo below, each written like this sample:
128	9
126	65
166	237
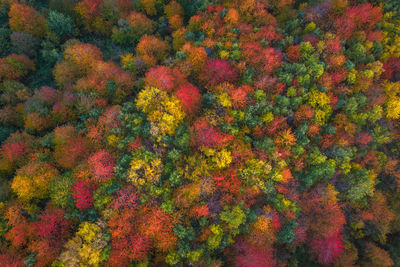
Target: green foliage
61	24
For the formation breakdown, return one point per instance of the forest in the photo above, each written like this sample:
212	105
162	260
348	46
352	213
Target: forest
205	133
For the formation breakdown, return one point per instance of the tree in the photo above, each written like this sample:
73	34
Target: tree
14	67
164	78
84	56
152	50
53	231
26	19
252	256
128	245
69	154
82	192
102	166
33	180
24	43
60	24
217	71
377	256
327	250
323	218
86	247
190	98
165	111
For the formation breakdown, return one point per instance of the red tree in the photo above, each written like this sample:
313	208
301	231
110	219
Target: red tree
53	231
190	98
217	71
252	256
164	78
328	250
82	192
102	166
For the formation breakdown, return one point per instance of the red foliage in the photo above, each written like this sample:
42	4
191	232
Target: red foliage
21	230
312	39
392	68
269	34
363	138
328	250
333	46
277	124
293	53
304	113
52	225
125	198
82	191
90	8
47	95
200	211
11	259
158	226
228	183
102	166
134	232
266	59
164	78
190	98
151	49
322	217
53	230
362	17
205	135
132	146
217	71
252	256
100	75
14	150
133	247
127	244
74	151
239	98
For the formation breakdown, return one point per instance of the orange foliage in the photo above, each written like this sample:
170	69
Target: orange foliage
84	56
151	49
24	18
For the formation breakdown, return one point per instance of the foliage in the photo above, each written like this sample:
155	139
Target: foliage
199	133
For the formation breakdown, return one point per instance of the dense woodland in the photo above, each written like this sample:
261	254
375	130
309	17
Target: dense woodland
209	133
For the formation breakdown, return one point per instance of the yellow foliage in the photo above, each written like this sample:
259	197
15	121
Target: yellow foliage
85	248
178	38
142	172
318	99
112	140
33	181
173	8
392	91
127	60
331	193
224	100
222	159
391	36
256	172
149	7
393	108
163	110
219	159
